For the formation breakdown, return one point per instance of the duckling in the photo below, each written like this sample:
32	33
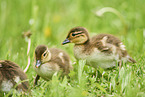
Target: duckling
10	75
48	61
102	50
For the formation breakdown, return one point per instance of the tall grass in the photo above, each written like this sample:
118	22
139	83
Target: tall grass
50	20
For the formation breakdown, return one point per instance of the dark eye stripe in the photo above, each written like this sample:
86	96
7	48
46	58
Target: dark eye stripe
44	54
73	34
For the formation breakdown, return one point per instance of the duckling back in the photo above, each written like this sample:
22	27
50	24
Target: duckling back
11	75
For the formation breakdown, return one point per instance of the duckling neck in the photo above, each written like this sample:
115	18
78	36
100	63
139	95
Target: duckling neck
85	43
81	51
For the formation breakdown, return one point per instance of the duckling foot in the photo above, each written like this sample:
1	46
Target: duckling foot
36	79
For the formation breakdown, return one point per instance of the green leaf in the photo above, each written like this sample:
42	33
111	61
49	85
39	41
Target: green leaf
101	88
139	38
80	69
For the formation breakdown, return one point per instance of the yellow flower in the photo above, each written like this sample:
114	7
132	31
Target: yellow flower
47	31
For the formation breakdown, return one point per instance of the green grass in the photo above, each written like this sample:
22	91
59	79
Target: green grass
50	22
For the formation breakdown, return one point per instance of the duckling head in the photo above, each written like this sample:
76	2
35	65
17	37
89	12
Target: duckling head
77	35
42	55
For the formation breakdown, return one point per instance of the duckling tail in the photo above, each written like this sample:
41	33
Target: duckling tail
130	59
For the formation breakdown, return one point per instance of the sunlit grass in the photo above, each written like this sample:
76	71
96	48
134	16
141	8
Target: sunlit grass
50	20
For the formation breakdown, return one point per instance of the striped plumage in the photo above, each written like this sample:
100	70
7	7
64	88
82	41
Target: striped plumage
48	61
102	50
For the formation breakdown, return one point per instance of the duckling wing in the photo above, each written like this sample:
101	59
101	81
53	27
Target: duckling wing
61	58
110	44
105	42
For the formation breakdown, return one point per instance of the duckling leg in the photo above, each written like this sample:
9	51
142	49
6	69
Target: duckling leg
36	79
120	63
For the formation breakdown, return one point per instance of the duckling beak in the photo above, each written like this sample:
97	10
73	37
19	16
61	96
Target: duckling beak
38	63
66	41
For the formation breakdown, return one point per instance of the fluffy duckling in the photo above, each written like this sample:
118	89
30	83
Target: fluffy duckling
103	50
49	61
10	75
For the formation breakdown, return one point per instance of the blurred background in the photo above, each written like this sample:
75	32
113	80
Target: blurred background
50	20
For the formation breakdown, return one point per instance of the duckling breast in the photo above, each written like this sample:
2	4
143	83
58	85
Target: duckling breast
78	52
47	70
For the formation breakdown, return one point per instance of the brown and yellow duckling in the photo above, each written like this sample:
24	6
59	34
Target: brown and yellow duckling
49	61
103	50
12	75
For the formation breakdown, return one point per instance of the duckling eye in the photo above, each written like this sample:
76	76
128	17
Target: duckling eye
73	34
44	54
